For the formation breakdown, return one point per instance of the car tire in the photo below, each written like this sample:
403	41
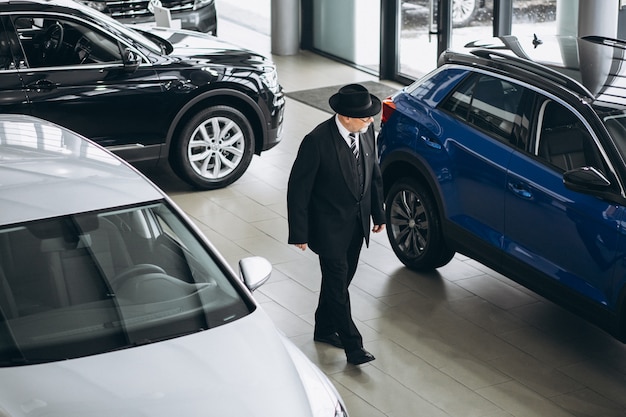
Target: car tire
214	149
414	226
463	12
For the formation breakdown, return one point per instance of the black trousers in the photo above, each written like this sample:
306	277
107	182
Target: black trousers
333	312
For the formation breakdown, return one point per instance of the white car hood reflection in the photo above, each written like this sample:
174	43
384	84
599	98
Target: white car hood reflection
239	369
200	45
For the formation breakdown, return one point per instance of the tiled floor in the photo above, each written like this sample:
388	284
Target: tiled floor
463	341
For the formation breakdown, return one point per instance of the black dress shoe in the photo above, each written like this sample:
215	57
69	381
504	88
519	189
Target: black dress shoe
360	356
330	339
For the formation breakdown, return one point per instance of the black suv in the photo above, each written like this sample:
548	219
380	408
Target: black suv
162	94
514	154
197	15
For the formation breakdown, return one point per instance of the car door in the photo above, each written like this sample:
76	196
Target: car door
75	76
479	149
568	236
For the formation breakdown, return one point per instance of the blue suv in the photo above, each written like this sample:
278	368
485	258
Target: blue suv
520	163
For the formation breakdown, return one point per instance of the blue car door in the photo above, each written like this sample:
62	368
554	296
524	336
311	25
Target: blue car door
568	236
479	154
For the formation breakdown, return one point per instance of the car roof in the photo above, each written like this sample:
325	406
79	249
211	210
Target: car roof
49	171
592	67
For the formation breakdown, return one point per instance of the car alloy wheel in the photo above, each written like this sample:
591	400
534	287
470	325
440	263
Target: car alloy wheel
215	148
463	11
414	228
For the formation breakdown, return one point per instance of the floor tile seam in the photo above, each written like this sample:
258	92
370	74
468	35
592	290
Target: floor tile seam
223	236
478	323
365	400
217	201
249	223
282	240
332	375
231	239
451	346
527	385
600	395
361	287
472	291
542	397
425	399
595	387
548	336
293	281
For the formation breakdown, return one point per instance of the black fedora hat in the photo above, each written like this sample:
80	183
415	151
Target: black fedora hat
353	100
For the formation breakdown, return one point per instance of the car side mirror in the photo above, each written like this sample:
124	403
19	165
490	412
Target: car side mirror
587	180
131	60
254	271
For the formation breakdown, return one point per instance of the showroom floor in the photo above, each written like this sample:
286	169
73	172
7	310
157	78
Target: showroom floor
463	341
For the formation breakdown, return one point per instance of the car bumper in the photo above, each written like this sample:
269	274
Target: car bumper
275	125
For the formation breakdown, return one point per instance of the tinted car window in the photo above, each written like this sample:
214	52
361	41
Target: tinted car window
53	41
487	103
615	123
6	59
90	283
564	141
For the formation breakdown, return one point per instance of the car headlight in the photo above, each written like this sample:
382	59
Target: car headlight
323	397
270	79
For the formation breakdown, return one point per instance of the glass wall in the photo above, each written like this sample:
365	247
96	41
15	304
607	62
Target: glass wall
538	17
471	20
348	30
417	43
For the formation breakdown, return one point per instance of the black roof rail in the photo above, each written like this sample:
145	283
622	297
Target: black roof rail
535	68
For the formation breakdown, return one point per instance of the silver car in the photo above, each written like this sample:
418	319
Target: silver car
113	304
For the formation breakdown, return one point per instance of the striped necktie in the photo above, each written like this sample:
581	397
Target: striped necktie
353	147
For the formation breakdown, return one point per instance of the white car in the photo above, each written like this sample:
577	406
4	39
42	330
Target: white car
114	304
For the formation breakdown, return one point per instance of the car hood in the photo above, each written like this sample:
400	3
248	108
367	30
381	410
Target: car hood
245	368
190	44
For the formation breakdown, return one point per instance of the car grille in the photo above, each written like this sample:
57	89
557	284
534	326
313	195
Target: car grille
139	8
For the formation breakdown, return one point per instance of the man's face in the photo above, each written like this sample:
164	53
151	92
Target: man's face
358	124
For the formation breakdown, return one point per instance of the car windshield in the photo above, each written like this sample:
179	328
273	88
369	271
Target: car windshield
86	284
615	122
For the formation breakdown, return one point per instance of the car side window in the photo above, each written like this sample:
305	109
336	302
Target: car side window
488	103
6	58
563	140
55	41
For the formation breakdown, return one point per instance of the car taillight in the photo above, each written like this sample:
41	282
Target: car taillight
388	108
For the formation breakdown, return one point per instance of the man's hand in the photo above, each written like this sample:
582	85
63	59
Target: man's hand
378	228
301	246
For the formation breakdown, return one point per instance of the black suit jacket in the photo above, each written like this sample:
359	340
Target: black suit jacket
324	198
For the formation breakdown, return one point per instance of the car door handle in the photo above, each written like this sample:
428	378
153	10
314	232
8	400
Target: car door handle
431	142
40	85
520	190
